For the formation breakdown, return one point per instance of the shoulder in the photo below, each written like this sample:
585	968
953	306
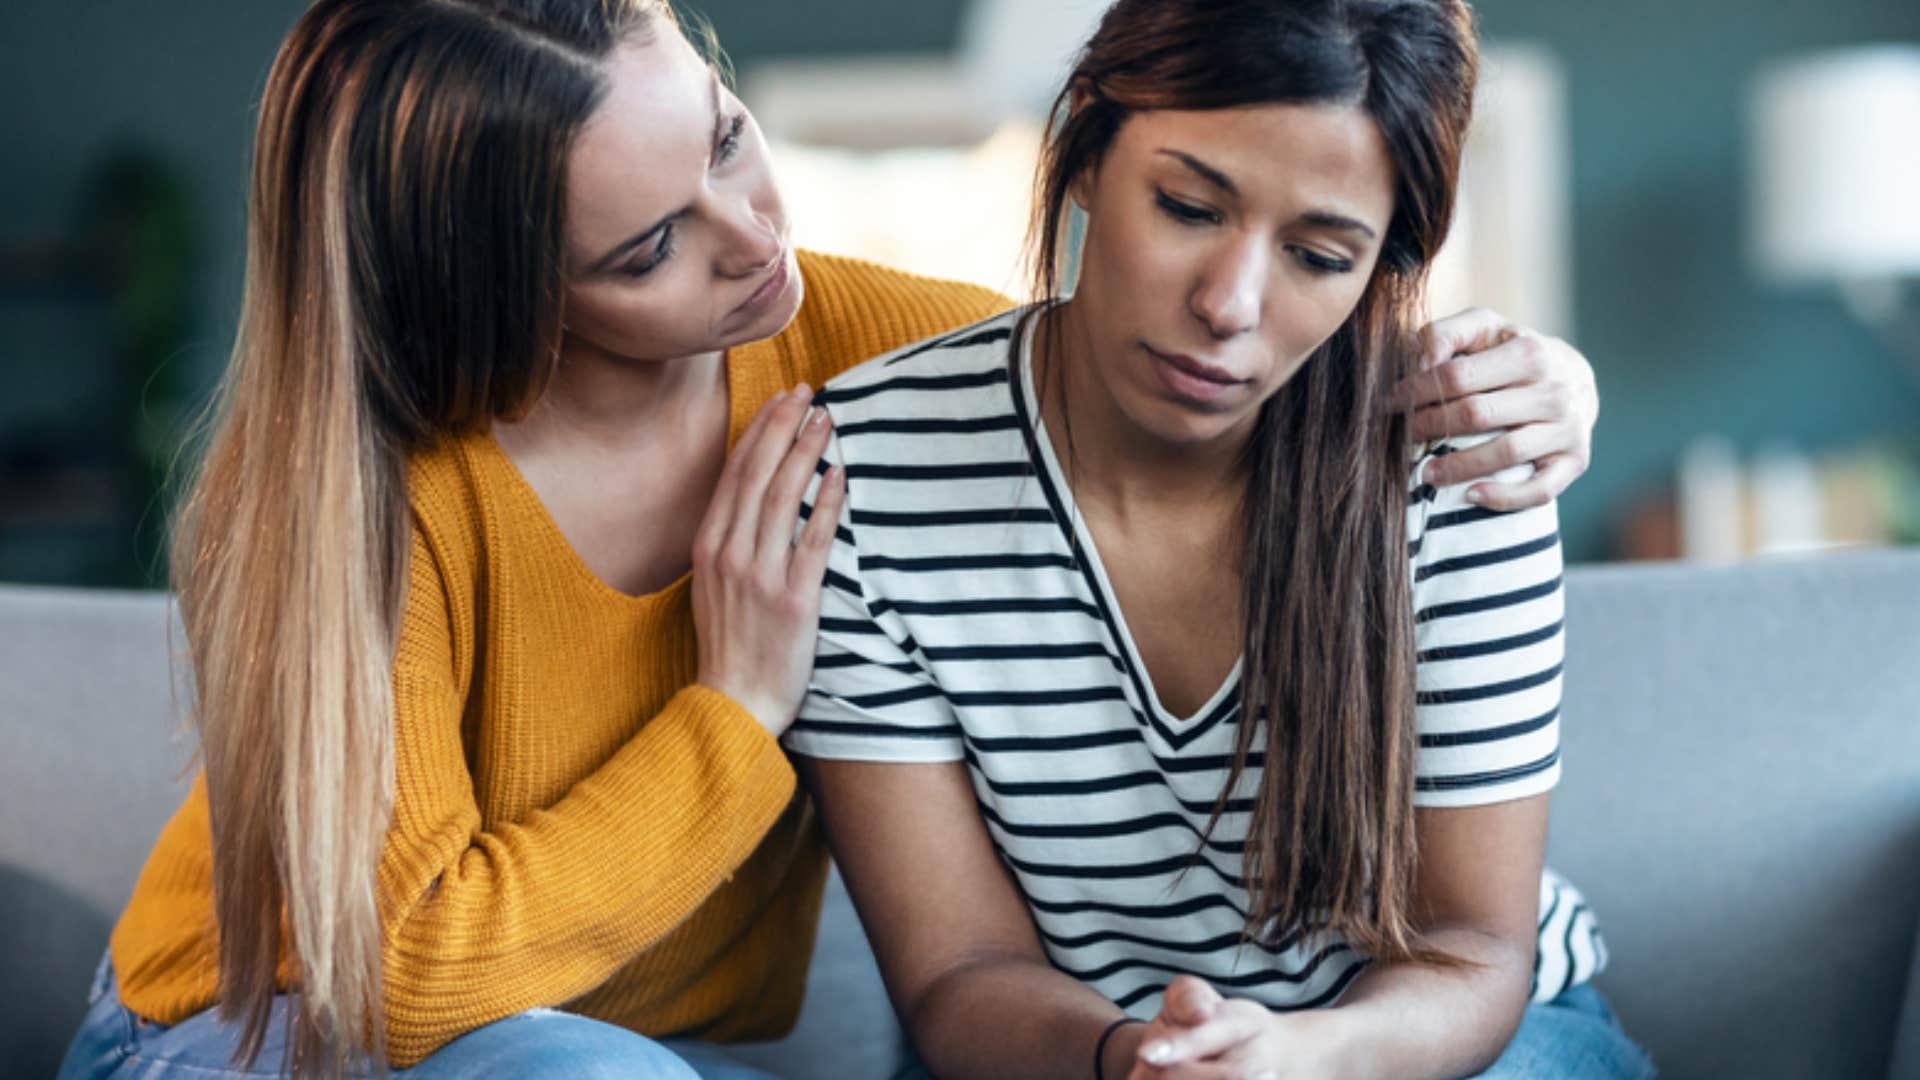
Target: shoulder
1460	550
1447	531
959	372
854	309
447	496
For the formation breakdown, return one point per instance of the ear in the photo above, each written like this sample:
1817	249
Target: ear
1081	190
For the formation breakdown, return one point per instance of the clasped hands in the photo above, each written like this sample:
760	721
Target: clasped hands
1200	1034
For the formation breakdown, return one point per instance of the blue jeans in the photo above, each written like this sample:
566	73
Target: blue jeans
115	1044
1572	1037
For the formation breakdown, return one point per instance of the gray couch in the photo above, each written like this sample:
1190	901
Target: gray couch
1741	804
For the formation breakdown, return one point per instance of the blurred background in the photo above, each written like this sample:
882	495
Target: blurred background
1717	201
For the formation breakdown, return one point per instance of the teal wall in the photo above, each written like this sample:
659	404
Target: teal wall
1683	338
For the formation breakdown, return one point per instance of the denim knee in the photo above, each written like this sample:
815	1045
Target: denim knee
1574	1037
547	1042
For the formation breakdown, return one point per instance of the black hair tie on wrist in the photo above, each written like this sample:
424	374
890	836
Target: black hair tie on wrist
1100	1048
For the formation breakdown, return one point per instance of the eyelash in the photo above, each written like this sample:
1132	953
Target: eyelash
1185	213
662	251
1194	216
729	146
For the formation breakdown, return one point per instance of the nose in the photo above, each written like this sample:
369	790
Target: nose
748	241
1227	296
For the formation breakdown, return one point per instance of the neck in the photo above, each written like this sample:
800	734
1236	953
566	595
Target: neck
612	401
1112	459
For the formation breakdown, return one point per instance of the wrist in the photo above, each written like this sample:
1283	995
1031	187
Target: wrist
1336	1036
1119	1045
772	716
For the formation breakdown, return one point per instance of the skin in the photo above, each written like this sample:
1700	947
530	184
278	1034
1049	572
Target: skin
1204	245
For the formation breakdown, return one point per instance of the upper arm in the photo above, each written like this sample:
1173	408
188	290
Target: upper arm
1489	637
1490	640
1480	868
930	889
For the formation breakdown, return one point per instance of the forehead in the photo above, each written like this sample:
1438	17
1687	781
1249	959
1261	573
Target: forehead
1293	157
642	153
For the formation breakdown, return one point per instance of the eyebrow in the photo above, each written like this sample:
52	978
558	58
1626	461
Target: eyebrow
1325	219
623	247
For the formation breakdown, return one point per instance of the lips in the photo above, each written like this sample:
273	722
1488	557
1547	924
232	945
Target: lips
1195	383
1197	368
775	284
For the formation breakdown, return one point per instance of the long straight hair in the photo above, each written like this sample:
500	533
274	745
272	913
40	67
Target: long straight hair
1328	673
404	283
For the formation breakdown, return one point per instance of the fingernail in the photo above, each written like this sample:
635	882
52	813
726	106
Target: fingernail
1157	1052
1476	496
818	419
803	390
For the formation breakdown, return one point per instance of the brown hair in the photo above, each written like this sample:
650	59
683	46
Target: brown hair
1328	683
405	278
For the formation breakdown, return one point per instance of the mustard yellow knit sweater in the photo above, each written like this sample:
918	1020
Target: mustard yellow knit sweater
574	824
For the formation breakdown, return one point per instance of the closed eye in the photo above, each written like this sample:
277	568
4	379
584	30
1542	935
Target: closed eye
1319	263
729	144
646	264
1185	213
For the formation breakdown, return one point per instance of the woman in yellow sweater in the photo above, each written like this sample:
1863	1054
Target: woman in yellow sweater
490	576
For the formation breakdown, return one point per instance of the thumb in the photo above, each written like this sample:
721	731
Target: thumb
1190	1001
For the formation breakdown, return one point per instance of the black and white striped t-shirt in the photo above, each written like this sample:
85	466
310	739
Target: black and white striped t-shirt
967	618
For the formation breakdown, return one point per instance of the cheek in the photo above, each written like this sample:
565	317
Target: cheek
642	323
1305	317
1140	275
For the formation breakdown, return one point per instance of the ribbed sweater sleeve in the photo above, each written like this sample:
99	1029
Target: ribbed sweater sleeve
483	922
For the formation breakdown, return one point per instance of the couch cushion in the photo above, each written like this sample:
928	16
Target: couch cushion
93	767
1741	804
1906	1047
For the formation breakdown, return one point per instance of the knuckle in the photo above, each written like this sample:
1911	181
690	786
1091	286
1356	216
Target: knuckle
733	563
1475	415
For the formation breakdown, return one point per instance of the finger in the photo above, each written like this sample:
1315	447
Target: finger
1472	330
1232	1025
1190	1070
811	551
758	464
718	521
1521	359
1494	410
780	508
1517	447
1189	1000
1552	476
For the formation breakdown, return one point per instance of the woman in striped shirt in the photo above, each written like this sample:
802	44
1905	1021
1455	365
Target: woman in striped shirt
1165	721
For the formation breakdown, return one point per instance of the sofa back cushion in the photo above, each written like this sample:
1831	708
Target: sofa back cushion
1741	804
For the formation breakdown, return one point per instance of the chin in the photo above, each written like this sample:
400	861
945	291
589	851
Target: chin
1175	424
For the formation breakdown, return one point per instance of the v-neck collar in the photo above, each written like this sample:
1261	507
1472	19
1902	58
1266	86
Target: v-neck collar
1176	731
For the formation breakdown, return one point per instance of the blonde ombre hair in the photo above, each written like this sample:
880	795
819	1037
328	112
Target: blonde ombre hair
405	281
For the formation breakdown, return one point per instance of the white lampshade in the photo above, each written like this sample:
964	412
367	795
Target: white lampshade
1836	157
